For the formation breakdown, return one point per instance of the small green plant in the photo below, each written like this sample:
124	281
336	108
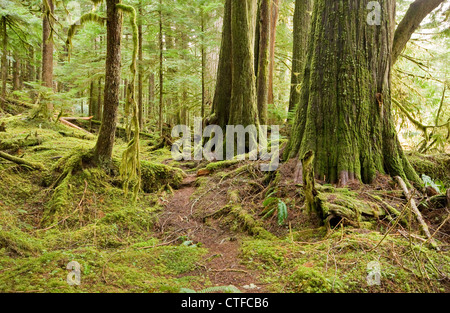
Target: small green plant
436	185
272	204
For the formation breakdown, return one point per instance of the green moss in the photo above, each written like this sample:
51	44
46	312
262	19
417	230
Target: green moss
19	243
436	166
308	280
213	167
154	176
289	266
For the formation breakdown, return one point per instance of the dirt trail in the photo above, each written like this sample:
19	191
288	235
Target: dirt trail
221	264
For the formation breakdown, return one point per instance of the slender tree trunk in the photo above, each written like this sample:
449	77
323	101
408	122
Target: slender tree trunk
243	109
345	116
203	61
222	94
16	72
151	94
105	141
140	78
4	58
161	64
273	34
31	73
263	59
302	22
91	98
47	51
99	100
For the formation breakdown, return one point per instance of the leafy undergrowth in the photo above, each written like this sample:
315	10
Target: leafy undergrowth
76	212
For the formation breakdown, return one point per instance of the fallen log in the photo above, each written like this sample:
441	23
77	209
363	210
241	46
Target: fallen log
18	102
65	121
416	211
122	129
36	166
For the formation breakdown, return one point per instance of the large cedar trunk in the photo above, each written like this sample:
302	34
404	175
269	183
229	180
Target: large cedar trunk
344	113
222	95
105	141
235	95
302	21
243	110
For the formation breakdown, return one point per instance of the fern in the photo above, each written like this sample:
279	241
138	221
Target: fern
282	212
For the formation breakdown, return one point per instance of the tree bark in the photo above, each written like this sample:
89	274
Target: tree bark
263	59
105	141
16	72
99	100
140	78
273	35
203	51
161	64
243	109
222	94
4	59
151	94
345	116
417	11
47	52
302	22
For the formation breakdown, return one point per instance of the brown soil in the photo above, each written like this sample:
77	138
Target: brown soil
221	265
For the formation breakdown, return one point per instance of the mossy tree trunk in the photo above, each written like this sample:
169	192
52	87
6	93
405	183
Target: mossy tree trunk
302	22
151	94
235	95
243	110
263	42
140	76
105	141
16	72
273	35
4	71
222	95
99	111
161	64
47	50
344	114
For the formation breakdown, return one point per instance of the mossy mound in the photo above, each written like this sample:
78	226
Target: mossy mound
436	166
155	175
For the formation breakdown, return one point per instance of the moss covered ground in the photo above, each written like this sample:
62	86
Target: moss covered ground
73	211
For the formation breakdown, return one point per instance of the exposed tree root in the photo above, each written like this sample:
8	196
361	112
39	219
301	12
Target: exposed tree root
22	162
246	221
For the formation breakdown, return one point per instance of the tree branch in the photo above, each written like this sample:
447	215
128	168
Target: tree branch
417	11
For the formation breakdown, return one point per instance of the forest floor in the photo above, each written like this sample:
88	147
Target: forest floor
198	226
